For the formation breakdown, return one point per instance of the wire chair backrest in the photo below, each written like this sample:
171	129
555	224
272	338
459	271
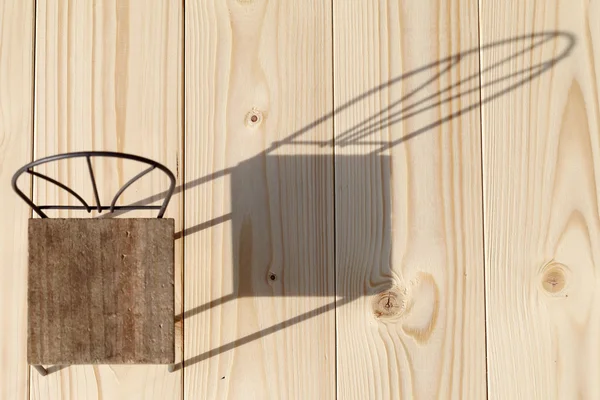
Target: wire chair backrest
28	168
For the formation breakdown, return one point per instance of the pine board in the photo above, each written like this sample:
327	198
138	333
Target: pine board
541	171
16	131
408	201
356	271
109	77
259	301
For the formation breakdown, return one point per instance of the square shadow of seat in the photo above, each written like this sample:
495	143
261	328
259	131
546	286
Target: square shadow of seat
283	222
101	291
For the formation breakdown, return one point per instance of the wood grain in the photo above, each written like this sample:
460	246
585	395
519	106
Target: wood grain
267	278
259	319
100	291
16	130
109	77
408	201
541	169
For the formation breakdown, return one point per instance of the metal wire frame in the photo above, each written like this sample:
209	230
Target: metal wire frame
85	206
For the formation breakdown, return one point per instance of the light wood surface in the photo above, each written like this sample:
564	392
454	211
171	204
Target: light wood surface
541	169
259	225
408	201
454	220
16	132
109	77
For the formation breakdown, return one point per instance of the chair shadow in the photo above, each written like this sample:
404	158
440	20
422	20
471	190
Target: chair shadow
286	247
256	274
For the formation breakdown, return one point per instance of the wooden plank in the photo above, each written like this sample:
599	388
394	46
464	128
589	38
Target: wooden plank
109	77
16	129
259	318
101	291
541	181
408	200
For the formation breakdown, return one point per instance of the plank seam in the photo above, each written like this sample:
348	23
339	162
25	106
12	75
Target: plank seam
482	198
335	345
183	180
32	144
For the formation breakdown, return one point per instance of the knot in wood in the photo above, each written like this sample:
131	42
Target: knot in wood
554	278
390	304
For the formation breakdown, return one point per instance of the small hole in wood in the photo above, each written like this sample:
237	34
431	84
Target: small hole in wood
272	276
253	118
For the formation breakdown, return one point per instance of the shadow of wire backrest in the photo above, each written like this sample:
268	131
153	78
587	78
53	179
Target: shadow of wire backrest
510	66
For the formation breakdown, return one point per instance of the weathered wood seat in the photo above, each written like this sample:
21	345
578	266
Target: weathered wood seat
100	290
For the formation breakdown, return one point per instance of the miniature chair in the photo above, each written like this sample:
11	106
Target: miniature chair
100	290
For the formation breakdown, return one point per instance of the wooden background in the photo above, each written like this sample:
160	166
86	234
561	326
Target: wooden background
375	199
